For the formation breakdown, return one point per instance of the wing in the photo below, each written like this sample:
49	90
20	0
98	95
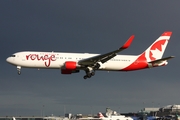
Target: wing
105	57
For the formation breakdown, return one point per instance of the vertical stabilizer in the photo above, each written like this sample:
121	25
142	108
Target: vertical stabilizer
100	115
153	53
156	50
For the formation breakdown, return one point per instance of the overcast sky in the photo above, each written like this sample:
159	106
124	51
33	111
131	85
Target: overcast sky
93	27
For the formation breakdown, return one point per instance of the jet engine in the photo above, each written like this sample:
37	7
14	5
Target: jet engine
70	65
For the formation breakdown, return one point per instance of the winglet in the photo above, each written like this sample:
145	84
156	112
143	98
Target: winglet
128	42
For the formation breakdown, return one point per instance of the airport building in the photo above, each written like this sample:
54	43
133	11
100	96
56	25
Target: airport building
172	111
169	110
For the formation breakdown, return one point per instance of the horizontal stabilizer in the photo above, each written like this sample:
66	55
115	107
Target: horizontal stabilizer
161	60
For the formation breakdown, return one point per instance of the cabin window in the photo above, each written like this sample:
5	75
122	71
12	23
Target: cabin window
13	55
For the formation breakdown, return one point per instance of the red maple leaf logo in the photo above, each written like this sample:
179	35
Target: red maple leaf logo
156	46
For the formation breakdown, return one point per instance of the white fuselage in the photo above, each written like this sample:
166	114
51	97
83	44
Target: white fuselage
110	61
117	117
56	60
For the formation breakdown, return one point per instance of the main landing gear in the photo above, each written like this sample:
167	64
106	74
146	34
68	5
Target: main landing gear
19	70
90	71
89	74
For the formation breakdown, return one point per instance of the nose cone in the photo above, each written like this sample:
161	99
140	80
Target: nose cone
9	60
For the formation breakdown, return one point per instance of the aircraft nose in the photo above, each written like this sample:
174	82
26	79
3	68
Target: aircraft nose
8	60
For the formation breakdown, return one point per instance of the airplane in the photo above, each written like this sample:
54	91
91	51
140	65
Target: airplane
70	63
100	116
113	117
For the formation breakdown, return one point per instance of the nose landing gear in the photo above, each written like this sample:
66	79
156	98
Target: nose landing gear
19	70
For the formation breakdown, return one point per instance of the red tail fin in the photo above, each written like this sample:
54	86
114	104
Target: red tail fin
100	115
153	53
156	50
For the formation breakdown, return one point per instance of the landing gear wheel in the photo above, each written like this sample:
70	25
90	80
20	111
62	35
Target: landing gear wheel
93	73
19	72
85	77
89	75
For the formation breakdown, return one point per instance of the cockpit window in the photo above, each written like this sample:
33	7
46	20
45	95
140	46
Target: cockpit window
13	55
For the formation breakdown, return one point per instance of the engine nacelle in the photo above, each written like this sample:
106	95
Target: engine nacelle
70	65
